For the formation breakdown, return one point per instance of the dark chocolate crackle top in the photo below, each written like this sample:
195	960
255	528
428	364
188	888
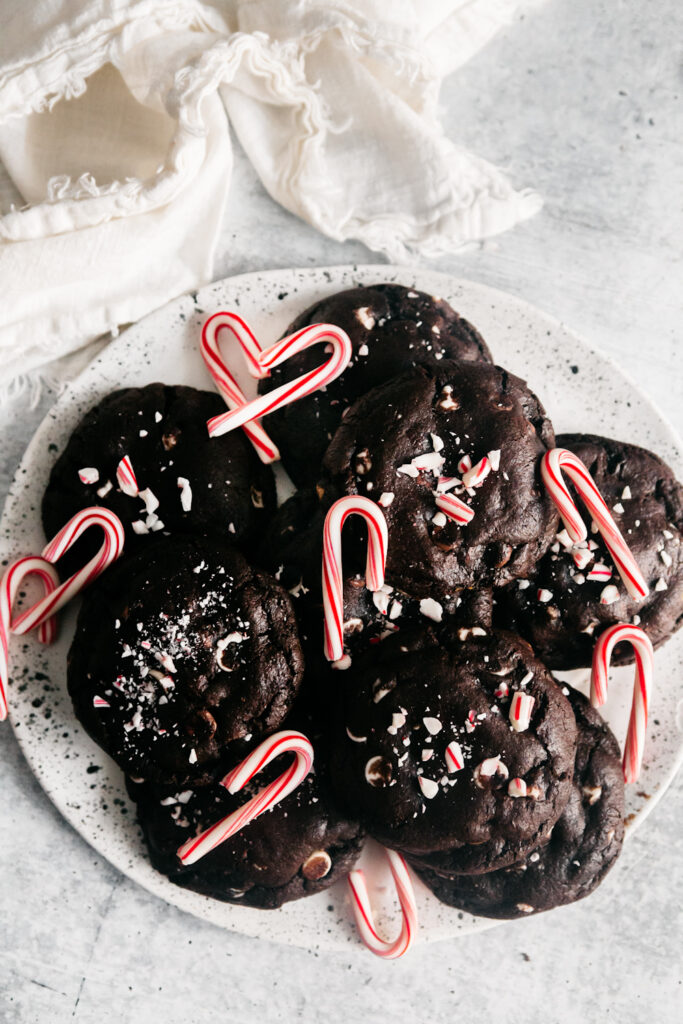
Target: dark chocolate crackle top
182	653
300	847
391	329
583	846
562	608
189	482
405	441
398	717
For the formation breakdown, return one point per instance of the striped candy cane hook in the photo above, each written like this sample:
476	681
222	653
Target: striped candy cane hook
111	548
363	911
553	464
283	742
233	395
262	361
15	575
644	671
333	581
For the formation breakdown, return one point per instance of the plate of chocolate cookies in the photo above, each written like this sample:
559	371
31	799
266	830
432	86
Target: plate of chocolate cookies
477	682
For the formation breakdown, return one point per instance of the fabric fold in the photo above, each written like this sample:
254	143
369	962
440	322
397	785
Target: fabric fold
115	120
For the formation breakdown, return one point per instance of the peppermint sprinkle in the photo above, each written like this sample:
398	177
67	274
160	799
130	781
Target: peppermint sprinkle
475	476
521	707
464	464
609	595
104	490
150	499
363	350
600	572
502	690
158	417
517	787
409	470
139	527
626	493
386	498
125	477
439	519
437	443
618	508
523	584
398	719
432	725
544	595
185	493
665	557
381	598
661	584
582	556
454	757
100	702
426	755
428	786
564	539
431	609
88	475
193	756
494	459
429	462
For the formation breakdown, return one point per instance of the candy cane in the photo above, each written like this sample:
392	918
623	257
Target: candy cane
319	377
333	582
623	632
111	548
552	465
15	575
281	743
363	911
233	395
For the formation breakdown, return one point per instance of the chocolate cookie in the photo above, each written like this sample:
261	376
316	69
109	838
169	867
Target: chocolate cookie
583	846
300	847
182	653
189	482
561	608
406	440
398	717
391	329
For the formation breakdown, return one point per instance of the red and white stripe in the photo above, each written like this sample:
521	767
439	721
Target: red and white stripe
316	334
333	580
457	510
454	757
111	548
11	581
521	706
475	476
283	742
362	909
232	394
623	632
553	464
126	479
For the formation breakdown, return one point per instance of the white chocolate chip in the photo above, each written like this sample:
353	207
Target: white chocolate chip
364	315
185	493
432	725
428	786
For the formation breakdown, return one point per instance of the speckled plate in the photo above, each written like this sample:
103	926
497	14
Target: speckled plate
581	389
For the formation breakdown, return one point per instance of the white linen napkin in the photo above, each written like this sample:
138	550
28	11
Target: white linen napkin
115	131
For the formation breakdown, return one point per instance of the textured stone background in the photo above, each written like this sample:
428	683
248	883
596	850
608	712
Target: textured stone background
580	99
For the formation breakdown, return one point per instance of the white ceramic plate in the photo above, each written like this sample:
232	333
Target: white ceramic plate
581	390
